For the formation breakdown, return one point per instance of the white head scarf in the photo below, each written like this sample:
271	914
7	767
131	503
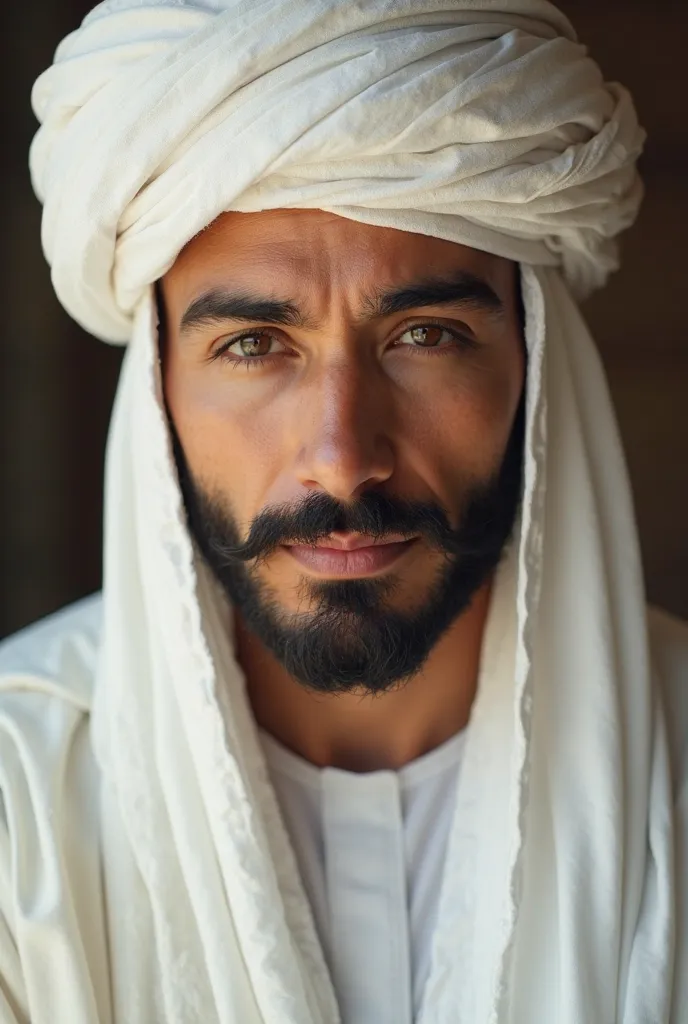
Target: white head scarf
478	121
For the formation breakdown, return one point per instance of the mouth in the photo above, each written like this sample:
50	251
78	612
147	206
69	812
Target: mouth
349	556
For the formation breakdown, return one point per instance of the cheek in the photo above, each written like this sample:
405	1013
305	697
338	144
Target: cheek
228	446
459	429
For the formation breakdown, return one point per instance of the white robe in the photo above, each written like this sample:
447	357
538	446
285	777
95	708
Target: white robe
564	900
55	875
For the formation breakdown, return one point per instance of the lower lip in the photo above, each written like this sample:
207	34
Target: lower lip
346	564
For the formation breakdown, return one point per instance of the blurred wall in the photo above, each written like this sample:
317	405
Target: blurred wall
56	384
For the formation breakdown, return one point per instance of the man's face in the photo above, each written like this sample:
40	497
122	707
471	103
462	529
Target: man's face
347	407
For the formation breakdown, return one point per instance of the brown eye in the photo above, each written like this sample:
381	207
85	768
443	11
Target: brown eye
250	349
428	336
253	345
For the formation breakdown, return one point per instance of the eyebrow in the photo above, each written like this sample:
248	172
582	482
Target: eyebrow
460	289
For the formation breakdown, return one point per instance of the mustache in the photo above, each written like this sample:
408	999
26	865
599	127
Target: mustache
374	514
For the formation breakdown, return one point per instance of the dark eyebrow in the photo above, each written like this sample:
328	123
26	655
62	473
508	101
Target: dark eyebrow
218	305
458	289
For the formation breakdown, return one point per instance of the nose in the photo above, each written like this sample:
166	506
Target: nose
345	444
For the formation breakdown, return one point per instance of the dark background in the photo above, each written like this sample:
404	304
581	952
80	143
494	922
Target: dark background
56	383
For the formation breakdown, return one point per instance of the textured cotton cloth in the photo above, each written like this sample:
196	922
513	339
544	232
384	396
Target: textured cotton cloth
480	122
370	847
153	879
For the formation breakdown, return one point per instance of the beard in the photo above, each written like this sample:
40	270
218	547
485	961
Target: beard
351	639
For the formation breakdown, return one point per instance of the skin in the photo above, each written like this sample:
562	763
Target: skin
342	406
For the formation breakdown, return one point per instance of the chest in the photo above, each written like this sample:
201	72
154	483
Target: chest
371	850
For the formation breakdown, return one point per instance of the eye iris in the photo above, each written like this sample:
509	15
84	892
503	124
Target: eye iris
254	345
427	337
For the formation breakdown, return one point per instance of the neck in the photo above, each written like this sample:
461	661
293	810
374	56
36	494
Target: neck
360	732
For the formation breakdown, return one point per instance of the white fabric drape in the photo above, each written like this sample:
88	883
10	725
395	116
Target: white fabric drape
481	122
478	121
557	902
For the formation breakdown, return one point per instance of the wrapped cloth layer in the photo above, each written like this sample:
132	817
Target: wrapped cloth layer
157	117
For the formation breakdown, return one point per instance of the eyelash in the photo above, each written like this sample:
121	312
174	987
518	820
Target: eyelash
254	362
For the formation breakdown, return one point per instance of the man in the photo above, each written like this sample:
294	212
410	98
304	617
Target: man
370	723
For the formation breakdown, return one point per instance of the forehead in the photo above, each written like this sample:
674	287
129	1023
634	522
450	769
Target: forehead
314	254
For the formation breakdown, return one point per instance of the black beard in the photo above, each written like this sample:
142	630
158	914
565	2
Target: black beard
352	640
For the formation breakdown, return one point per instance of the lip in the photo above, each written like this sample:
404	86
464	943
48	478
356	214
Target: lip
353	541
355	560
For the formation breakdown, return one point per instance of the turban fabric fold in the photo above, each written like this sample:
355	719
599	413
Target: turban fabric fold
479	121
396	112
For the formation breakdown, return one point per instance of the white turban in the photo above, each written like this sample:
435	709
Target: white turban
478	121
397	112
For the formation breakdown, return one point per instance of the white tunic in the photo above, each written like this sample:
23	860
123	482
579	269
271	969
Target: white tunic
371	850
70	905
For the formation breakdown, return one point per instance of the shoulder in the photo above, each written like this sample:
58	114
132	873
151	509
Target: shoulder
669	655
669	643
47	673
56	656
49	814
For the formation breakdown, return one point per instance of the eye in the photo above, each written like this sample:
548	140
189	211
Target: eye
432	336
249	346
